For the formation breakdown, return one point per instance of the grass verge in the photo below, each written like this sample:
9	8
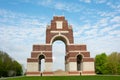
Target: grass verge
110	77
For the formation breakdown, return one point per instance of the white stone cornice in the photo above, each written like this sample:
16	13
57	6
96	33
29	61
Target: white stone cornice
78	51
41	51
42	44
59	31
77	44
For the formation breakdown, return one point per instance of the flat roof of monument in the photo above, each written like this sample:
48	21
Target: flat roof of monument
58	16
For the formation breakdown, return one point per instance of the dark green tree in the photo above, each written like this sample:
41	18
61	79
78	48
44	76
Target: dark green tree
8	66
100	63
17	68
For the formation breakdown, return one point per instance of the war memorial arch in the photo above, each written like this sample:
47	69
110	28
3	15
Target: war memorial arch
77	58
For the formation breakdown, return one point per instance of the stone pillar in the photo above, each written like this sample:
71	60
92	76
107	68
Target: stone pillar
88	66
72	66
48	66
32	67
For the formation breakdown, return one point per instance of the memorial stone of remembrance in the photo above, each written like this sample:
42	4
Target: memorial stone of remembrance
77	58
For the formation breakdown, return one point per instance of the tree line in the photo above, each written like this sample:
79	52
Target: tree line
107	64
9	66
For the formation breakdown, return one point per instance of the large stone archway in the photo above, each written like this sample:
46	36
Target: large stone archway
77	58
58	55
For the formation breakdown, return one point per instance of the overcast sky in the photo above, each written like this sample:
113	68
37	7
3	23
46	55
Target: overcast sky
95	23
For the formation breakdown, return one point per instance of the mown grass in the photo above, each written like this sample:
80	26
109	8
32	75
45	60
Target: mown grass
67	78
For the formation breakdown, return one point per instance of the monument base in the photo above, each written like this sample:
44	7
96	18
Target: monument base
32	73
61	73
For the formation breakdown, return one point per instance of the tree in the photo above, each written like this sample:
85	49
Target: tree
100	63
8	66
113	63
118	63
17	68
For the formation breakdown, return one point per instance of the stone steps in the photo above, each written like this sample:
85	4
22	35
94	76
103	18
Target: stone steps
60	73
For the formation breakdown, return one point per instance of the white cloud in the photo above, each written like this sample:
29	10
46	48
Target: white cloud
117	25
65	6
103	22
115	32
106	29
105	44
86	1
116	19
60	6
45	2
96	1
81	29
100	1
70	7
114	5
91	32
107	14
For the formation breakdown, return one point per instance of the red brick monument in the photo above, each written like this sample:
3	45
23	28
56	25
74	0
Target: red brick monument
77	58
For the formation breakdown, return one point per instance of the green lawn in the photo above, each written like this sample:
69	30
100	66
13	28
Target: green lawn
68	78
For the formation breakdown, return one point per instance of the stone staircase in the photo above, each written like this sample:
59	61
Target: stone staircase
60	73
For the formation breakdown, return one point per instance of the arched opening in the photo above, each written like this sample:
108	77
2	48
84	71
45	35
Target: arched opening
79	62
60	37
58	52
41	63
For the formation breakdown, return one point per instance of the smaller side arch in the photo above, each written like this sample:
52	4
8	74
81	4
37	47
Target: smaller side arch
41	57
80	54
79	59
